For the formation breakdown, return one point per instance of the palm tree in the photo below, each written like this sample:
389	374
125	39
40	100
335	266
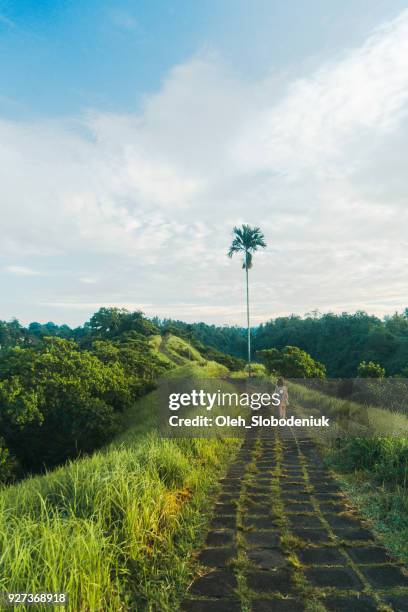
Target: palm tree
247	240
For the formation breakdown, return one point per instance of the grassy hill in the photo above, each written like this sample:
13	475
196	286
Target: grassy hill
115	529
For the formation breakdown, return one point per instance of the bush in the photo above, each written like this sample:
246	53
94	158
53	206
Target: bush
370	370
291	362
385	458
7	464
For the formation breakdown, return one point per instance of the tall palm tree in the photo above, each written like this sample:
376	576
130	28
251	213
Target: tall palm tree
247	240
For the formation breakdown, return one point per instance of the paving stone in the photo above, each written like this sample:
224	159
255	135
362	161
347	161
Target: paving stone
256	489
311	535
354	534
292	474
277	605
318	473
327	497
217	557
253	508
332	507
231	489
295	495
215	584
350	604
260	498
220	521
341	522
225	508
259	522
293	487
270	582
399	603
264	539
368	554
305	521
385	576
220	537
339	577
321	556
227	498
299	507
211	605
234	480
268	558
326	488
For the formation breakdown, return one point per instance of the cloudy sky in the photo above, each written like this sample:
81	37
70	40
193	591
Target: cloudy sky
135	134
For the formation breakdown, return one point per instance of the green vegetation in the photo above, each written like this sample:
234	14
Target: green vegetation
370	370
340	341
115	529
291	362
63	397
60	398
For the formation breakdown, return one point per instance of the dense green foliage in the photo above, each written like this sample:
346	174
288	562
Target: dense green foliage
339	341
231	340
59	397
385	458
62	390
370	370
291	362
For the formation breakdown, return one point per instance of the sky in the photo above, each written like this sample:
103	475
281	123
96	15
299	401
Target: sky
134	135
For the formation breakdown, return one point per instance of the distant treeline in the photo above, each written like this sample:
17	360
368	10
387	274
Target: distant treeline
340	341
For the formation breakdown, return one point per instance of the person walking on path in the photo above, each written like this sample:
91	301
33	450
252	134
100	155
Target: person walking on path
282	391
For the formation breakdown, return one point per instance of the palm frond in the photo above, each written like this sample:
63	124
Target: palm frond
247	239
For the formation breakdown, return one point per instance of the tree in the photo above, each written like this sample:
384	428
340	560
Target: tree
112	322
370	370
291	362
247	240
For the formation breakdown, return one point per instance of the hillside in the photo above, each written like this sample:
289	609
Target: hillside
113	529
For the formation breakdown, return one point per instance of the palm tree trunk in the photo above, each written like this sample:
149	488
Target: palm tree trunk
248	326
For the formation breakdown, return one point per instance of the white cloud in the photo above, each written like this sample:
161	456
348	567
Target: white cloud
21	271
150	197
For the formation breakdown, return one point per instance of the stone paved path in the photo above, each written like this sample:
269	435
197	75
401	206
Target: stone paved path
283	538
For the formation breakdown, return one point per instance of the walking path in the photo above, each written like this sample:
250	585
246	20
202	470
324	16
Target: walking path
283	537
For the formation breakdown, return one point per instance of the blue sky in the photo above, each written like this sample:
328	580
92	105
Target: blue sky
134	135
61	57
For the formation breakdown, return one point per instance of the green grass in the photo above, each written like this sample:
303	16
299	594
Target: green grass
115	530
357	418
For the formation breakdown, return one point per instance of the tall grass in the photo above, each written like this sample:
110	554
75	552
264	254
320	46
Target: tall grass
113	530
